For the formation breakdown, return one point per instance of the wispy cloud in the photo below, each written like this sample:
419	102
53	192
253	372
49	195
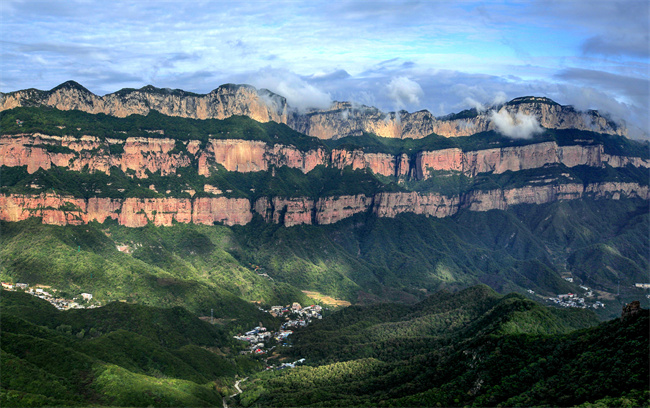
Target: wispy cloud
441	56
299	93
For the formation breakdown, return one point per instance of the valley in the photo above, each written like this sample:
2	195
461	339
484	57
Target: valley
168	243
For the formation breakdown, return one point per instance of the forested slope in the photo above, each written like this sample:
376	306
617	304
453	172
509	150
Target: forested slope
473	348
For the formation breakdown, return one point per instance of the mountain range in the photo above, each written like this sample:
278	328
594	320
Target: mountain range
241	157
166	205
339	120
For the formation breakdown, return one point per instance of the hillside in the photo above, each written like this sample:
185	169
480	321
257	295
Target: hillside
186	267
473	348
362	259
117	355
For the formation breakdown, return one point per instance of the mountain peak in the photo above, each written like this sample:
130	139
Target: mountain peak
70	85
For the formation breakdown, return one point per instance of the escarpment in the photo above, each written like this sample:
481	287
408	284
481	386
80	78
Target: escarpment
163	170
341	119
151	155
141	158
137	212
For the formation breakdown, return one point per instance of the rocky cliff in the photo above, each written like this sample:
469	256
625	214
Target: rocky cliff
223	102
165	156
137	212
340	120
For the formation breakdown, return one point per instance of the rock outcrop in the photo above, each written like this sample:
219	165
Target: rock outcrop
137	212
631	309
340	120
139	157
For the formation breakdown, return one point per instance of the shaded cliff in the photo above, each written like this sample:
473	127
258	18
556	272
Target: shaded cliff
340	120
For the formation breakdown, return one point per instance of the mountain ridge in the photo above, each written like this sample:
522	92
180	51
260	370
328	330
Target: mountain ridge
341	119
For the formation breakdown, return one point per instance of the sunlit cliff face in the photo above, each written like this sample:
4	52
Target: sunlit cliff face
142	155
521	117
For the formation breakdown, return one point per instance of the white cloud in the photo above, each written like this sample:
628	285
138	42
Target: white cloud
499	99
521	126
474	104
299	94
403	91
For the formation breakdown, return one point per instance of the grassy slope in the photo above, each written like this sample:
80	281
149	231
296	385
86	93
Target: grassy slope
181	266
527	247
471	348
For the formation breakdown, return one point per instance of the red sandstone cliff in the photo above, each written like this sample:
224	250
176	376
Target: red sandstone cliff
137	212
154	155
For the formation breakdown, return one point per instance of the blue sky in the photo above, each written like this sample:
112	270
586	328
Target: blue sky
441	56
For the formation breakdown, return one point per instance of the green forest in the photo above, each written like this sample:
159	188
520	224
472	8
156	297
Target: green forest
472	348
121	354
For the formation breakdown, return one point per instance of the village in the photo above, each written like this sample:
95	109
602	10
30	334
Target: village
260	339
573	299
80	302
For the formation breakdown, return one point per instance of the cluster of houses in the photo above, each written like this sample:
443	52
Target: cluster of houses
295	316
573	300
59	303
257	339
286	365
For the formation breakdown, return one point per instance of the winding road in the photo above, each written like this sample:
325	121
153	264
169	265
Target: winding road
239	391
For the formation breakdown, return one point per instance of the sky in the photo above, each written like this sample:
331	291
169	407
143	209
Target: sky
443	56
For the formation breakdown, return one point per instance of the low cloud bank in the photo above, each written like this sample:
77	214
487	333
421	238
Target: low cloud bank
519	126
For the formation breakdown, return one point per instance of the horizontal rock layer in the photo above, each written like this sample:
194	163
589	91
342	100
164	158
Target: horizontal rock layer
137	212
142	155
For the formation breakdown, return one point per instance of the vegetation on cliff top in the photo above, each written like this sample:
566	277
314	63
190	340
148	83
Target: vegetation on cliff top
76	123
